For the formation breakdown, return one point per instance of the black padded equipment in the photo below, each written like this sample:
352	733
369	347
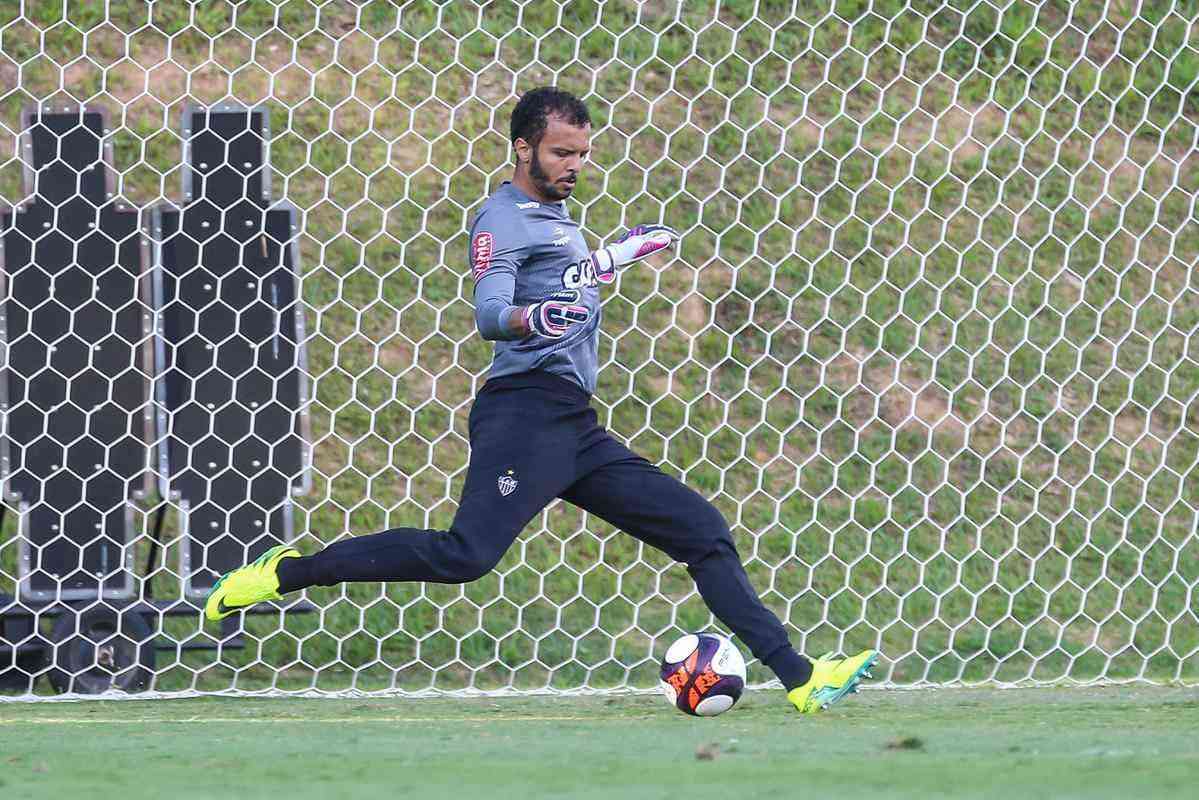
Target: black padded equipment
76	376
226	155
67	156
230	362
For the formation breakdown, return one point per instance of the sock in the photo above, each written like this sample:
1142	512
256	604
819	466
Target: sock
294	574
790	667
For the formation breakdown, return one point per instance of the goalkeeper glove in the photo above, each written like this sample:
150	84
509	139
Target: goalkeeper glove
555	314
637	243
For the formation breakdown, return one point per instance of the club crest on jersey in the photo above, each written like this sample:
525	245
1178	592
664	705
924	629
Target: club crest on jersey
560	237
506	483
579	274
481	247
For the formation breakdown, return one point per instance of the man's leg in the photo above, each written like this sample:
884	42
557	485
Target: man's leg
520	460
637	497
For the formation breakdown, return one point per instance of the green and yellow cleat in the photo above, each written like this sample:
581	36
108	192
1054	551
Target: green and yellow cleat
832	679
245	586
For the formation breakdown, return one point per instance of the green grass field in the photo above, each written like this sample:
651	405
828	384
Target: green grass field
1029	743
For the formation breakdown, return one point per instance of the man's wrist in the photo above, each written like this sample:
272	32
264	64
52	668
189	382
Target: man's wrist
603	262
516	321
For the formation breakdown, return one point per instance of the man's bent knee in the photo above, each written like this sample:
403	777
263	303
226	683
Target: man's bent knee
708	536
463	563
471	571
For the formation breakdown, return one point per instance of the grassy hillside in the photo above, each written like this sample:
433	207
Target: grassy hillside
929	341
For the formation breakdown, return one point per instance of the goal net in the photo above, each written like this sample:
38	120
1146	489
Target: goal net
929	342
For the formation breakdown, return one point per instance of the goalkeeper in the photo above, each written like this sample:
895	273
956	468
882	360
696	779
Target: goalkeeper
534	436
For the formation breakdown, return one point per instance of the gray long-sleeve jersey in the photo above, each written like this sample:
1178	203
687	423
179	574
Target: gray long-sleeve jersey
522	251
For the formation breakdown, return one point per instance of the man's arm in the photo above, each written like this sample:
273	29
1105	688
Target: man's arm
495	315
497	249
634	245
497	318
496	252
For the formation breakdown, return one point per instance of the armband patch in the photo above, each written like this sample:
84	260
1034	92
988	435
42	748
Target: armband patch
481	254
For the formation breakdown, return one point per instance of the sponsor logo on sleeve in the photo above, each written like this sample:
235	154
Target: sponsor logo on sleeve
527	206
481	250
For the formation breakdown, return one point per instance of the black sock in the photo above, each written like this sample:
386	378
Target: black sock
790	667
294	574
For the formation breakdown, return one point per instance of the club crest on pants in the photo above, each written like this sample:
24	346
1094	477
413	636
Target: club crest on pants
506	483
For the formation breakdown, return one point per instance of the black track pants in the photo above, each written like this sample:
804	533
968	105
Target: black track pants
534	438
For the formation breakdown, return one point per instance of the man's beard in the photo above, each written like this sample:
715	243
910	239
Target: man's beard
542	181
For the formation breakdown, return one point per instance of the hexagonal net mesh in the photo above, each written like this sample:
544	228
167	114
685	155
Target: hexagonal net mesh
929	341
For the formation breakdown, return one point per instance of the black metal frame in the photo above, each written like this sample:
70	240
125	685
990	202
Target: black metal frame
32	657
12	608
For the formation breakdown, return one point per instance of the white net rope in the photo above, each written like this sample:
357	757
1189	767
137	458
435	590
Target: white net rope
929	342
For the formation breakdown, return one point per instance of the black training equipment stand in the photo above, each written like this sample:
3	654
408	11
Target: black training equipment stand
231	381
105	315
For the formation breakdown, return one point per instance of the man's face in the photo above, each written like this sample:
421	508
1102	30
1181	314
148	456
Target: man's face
556	162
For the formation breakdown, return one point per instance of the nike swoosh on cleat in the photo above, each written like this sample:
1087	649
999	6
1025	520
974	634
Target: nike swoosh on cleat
221	608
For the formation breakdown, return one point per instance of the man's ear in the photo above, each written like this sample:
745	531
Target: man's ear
524	153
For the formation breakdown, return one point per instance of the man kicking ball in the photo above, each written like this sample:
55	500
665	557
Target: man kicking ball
534	436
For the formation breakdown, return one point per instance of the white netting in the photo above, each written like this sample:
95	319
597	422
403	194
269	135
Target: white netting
929	342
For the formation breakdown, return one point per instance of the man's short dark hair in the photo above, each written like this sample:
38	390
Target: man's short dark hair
532	112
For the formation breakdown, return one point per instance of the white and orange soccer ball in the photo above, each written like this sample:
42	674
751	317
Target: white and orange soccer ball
703	674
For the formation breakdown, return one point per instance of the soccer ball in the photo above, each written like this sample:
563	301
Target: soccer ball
703	674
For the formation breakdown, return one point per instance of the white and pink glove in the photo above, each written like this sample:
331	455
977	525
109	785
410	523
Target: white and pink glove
636	244
555	314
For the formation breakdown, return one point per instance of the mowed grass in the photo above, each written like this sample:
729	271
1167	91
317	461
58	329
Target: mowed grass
1039	743
929	341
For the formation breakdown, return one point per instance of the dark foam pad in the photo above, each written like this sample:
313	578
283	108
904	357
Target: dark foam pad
76	383
229	325
227	156
68	156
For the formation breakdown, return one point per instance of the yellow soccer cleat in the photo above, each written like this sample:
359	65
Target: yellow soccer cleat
245	586
832	679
